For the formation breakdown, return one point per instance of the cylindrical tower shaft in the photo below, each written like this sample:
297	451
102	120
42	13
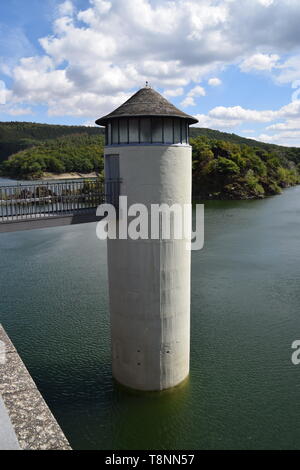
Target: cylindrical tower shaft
149	280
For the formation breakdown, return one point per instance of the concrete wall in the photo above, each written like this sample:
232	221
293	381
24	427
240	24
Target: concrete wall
149	280
26	422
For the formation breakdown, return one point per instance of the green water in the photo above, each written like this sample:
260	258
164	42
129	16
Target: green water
243	390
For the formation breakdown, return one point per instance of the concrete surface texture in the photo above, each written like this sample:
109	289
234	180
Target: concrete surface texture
149	280
22	408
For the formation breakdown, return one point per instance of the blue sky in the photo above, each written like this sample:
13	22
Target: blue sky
233	64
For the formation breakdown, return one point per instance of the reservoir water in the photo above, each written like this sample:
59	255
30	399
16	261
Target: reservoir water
243	391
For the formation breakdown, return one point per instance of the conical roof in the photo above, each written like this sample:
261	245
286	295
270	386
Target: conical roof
146	102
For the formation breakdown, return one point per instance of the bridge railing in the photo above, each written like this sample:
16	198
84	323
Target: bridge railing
112	191
46	200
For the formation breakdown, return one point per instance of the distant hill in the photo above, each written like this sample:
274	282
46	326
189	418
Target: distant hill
18	136
291	153
75	153
225	166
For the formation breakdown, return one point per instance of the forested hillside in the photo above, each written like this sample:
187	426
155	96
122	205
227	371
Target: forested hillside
17	136
292	153
82	153
221	169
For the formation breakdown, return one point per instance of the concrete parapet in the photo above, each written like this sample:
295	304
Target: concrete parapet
25	415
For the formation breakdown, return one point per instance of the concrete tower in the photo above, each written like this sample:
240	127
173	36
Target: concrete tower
147	149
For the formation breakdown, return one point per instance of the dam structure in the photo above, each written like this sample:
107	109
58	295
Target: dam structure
147	151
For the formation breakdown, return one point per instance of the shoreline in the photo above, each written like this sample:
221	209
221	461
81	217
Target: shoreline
53	176
196	197
66	176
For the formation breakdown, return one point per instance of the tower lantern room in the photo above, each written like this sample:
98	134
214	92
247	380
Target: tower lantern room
146	118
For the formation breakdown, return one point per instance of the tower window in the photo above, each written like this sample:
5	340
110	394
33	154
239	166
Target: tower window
177	131
146	130
157	130
168	131
115	131
184	128
134	131
123	131
145	133
108	134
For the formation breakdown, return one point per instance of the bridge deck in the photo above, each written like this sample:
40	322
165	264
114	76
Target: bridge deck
41	205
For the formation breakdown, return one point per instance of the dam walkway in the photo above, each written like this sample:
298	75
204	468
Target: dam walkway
51	204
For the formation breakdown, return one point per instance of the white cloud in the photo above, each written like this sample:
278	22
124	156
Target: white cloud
221	124
99	55
173	92
103	6
266	3
289	71
286	133
188	101
38	80
66	8
237	113
259	62
12	110
197	91
231	118
89	124
86	104
15	111
214	82
284	126
240	114
289	138
3	92
192	94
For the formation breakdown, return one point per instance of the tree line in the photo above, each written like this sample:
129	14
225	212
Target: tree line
18	136
221	169
80	153
224	170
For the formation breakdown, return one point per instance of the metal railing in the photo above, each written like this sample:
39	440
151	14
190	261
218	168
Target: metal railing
47	200
112	191
40	201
